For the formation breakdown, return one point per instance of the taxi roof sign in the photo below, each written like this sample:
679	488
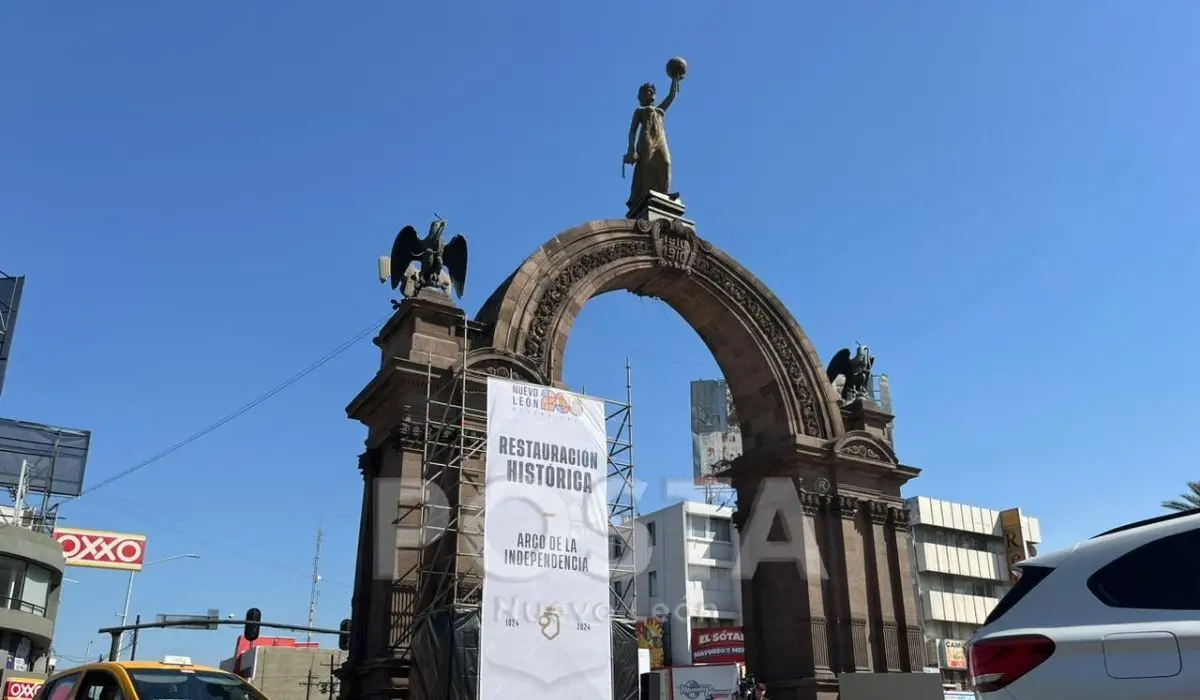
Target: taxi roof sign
177	660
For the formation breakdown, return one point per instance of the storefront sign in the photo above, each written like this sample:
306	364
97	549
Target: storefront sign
21	688
952	655
718	645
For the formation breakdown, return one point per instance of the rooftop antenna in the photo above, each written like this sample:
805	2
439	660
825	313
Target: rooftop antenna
316	586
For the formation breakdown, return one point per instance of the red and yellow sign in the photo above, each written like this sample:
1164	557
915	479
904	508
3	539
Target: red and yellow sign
650	636
22	688
953	654
100	549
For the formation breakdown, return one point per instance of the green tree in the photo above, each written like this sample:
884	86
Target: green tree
1187	501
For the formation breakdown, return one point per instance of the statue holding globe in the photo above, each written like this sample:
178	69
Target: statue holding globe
648	152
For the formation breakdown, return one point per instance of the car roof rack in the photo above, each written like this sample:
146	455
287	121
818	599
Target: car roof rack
1150	521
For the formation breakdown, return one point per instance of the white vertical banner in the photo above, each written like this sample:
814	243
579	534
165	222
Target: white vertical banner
545	630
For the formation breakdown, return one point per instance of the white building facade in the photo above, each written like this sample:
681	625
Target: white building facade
962	558
688	580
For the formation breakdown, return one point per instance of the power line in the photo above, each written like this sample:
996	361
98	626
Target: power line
244	409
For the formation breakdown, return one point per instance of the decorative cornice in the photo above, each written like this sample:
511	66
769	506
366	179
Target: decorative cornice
899	519
494	363
813	503
408	435
848	506
860	444
368	463
878	512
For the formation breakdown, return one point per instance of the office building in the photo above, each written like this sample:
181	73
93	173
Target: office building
688	582
962	563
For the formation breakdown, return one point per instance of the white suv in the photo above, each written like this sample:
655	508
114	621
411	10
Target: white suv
1114	618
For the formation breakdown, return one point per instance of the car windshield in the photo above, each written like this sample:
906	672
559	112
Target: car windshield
182	684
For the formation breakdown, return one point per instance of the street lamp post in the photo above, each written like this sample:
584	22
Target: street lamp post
129	592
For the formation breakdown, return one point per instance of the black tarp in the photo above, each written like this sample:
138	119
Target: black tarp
625	660
445	653
445	656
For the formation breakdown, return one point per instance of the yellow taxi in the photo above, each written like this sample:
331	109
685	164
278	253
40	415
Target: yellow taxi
174	678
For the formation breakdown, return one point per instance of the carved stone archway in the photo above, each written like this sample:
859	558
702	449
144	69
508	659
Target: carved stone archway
837	462
775	376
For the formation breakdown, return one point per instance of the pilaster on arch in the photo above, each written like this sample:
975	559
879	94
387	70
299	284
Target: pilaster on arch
773	372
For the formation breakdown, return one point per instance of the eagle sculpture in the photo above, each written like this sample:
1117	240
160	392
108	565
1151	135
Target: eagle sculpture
855	372
433	256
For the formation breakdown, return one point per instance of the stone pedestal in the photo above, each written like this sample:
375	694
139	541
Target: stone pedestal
419	345
656	205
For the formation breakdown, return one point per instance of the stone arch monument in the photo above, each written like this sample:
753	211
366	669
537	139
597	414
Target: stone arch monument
820	468
836	458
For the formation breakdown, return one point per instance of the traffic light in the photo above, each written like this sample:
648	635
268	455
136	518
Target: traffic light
344	635
253	617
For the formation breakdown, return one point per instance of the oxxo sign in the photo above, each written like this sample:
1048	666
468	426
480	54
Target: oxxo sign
21	688
101	549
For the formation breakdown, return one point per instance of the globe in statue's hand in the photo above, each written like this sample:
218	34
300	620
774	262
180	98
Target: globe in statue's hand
676	68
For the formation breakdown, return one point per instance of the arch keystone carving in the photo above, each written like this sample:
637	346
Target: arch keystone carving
675	243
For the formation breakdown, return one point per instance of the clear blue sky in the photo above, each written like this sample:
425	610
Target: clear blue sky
1000	200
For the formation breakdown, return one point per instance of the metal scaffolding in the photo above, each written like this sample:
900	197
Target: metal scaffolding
622	502
450	564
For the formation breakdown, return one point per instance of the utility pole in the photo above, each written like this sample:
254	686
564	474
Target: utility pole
332	678
308	686
316	585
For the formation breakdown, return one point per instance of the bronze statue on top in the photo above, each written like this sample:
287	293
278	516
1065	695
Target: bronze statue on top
418	263
854	373
648	152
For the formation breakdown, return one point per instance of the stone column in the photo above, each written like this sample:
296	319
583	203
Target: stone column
419	346
907	618
857	610
789	639
885	634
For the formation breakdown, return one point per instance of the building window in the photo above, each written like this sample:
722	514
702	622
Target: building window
652	584
24	586
701	527
651	534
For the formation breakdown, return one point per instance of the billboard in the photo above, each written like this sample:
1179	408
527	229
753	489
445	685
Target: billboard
22	688
716	436
56	457
545	629
10	304
1013	531
718	645
99	549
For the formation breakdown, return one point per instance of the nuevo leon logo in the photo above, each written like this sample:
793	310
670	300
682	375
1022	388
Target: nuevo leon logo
99	548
